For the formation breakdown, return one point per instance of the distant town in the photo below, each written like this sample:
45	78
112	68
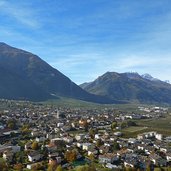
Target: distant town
35	136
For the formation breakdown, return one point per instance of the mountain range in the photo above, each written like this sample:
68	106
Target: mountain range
25	76
130	87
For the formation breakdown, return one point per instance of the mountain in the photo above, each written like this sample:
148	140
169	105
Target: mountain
149	77
167	81
130	87
25	76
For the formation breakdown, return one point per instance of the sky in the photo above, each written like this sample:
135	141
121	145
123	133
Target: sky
83	39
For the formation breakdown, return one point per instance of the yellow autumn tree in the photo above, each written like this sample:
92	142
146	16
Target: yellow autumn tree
71	156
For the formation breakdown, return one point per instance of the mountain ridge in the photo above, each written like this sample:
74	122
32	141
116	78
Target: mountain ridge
130	87
25	76
36	79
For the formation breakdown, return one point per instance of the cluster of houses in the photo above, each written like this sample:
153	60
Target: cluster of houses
51	132
155	109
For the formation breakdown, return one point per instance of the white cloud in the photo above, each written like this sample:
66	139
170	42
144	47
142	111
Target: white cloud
87	67
21	13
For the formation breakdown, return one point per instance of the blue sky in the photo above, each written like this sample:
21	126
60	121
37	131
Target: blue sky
86	38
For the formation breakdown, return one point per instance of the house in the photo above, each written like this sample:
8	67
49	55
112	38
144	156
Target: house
131	160
147	135
141	147
51	148
2	127
79	145
168	156
87	146
8	155
168	139
164	148
122	144
157	160
149	149
34	156
11	148
104	149
97	136
157	144
140	136
57	159
35	133
56	130
92	151
56	140
159	136
28	145
118	133
108	158
59	125
112	166
143	162
40	139
33	165
79	137
112	138
66	128
122	153
150	134
15	148
130	163
132	140
131	148
51	136
68	139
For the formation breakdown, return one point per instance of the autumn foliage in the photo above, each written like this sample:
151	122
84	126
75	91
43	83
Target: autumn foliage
70	156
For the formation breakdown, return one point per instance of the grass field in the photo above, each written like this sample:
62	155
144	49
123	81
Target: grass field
69	102
161	125
73	103
134	129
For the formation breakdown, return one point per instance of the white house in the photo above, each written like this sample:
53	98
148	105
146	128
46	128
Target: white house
8	155
79	137
168	157
59	125
112	166
92	151
32	165
68	139
97	136
118	133
79	144
34	156
108	158
40	139
159	136
87	146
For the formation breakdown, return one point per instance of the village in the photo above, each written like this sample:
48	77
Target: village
47	137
